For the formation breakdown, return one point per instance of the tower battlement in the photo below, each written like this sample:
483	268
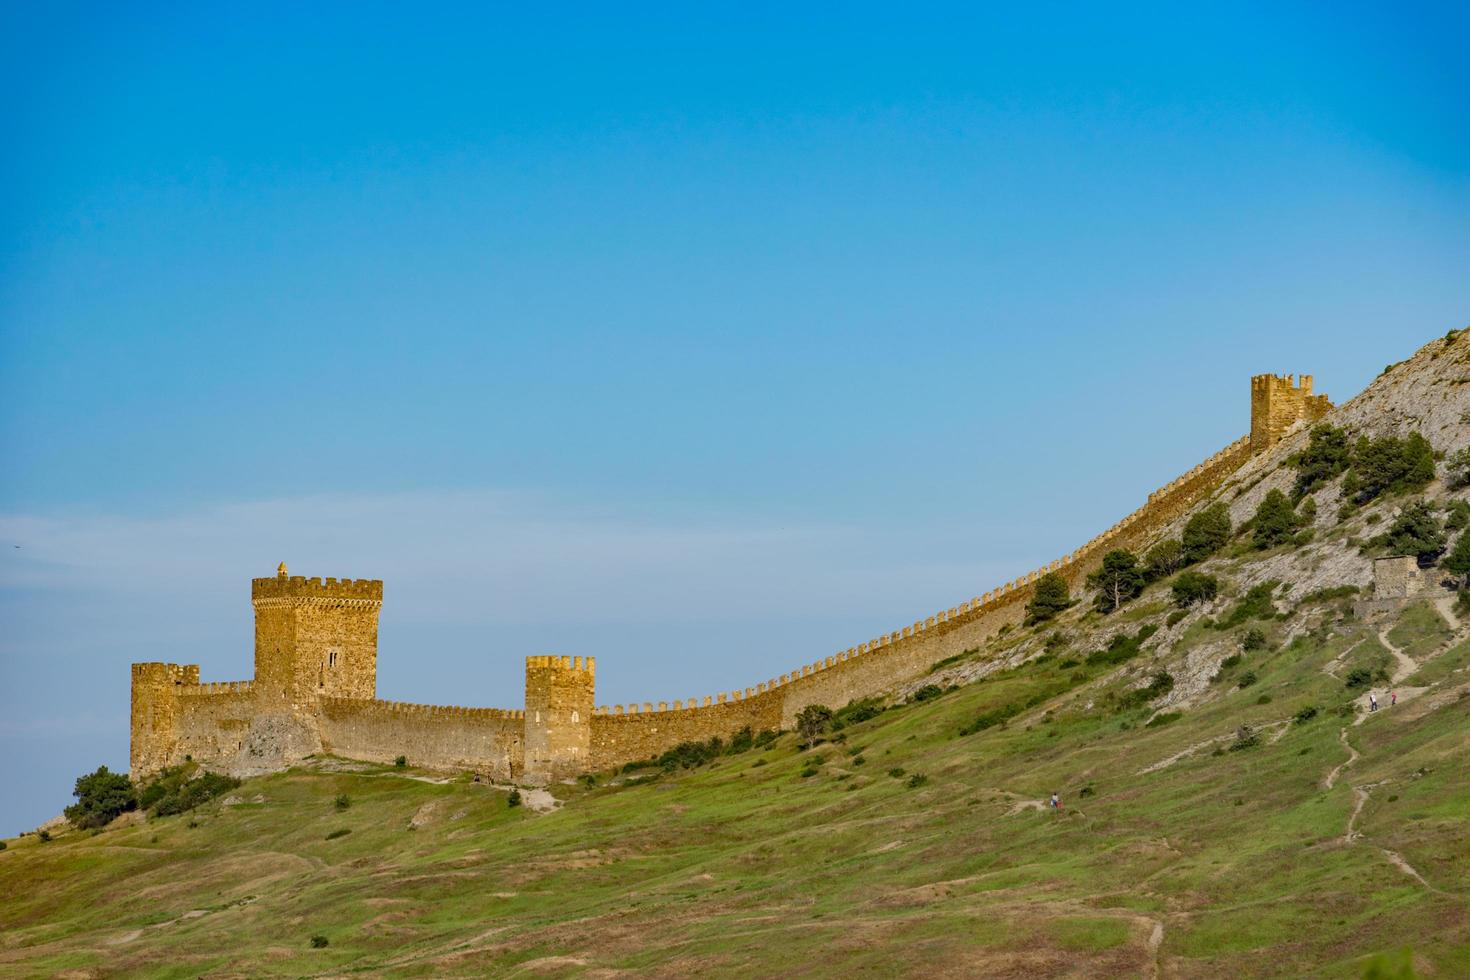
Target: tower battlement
301	587
1279	401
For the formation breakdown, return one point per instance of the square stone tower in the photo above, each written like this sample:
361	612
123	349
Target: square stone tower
1277	403
315	638
558	723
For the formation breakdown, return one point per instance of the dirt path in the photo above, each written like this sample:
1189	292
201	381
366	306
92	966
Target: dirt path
1190	750
1353	756
1446	606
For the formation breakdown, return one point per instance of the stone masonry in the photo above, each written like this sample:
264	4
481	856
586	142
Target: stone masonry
316	650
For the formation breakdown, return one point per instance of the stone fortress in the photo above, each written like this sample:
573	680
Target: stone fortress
316	649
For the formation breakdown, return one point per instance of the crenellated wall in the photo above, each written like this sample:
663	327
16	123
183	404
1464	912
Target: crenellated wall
316	665
487	740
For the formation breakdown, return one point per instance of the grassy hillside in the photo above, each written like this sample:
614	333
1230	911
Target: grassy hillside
1221	862
1230	808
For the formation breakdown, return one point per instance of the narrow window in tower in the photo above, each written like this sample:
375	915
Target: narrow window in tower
332	658
575	718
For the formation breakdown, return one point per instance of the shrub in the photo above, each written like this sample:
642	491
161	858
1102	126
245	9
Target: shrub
1457	562
1246	737
1050	597
319	941
1457	514
514	799
3	845
1388	465
1325	458
916	780
896	772
101	796
174	792
857	711
342	802
1254	639
1359	677
812	721
1255	604
928	692
45	835
859	760
1247	679
1118	581
1305	715
1121	648
1163	559
690	755
1415	531
1057	641
808	772
757	762
1328	595
991	718
1206	533
1192	587
1175	617
588	780
340	832
1275	521
401	761
766	738
741	741
1159	685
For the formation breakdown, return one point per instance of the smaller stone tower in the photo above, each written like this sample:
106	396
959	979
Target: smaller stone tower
315	638
558	724
155	721
1277	403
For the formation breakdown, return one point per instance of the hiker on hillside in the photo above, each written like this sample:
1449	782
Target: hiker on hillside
1393	698
1056	804
1372	701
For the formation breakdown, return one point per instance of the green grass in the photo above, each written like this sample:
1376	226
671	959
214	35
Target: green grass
743	866
1420	631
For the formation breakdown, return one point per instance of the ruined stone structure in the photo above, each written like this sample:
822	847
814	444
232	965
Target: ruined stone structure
1399	578
1277	404
316	647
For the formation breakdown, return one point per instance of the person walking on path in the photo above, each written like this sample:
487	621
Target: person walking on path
1372	701
1393	698
1056	804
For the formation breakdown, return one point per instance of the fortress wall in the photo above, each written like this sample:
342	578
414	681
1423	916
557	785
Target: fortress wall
488	740
622	735
214	720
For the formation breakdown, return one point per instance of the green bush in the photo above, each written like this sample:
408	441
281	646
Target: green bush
1121	648
1457	562
1415	531
812	721
1163	559
1118	581
1457	514
1175	617
856	711
1206	533
1255	604
1159	685
341	832
1457	469
1326	457
1254	639
991	718
859	760
1388	465
1359	677
917	780
1246	737
1247	679
896	772
514	799
102	796
401	761
1305	715
1049	597
45	835
1192	587
319	941
928	692
1275	521
3	845
175	792
741	741
342	802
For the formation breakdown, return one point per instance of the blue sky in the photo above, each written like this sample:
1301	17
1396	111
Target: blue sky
706	342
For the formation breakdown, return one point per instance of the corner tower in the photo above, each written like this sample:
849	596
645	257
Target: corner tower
315	638
1277	403
558	724
155	716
